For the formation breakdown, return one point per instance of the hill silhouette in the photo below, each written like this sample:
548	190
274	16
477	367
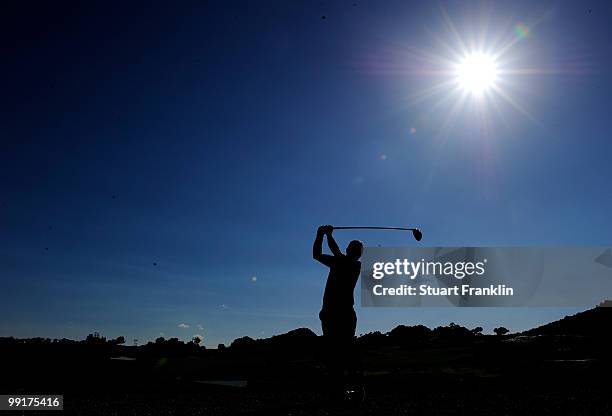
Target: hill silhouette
300	338
593	322
408	370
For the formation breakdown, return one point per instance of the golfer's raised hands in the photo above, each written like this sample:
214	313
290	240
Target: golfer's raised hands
325	229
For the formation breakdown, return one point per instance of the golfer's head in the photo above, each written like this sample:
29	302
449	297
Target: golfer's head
354	249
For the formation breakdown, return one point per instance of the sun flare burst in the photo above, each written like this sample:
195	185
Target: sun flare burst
476	73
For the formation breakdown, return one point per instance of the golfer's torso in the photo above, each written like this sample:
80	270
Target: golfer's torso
340	285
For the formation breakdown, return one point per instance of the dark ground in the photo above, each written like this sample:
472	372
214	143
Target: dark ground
538	374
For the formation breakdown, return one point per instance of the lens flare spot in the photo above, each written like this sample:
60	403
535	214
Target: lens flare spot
521	30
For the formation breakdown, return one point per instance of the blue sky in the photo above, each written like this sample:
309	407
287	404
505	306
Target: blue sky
155	159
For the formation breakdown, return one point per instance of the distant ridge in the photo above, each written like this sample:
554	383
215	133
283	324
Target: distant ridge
300	338
605	304
592	322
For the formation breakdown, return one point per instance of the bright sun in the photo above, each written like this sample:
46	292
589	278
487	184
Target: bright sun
476	73
469	73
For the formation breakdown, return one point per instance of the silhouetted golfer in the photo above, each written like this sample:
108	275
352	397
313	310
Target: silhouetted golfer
338	318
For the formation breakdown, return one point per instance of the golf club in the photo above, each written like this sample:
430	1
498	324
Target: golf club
415	231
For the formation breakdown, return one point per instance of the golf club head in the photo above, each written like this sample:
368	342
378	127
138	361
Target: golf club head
417	234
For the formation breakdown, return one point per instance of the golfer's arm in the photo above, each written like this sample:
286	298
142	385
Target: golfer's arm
333	246
317	247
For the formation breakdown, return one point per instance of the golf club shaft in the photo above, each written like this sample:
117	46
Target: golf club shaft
375	228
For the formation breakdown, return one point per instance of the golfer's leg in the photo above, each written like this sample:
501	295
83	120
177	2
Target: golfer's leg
334	356
354	358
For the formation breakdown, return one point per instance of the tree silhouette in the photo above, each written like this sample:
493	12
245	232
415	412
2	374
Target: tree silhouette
409	335
372	339
501	331
242	343
95	338
477	331
451	332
